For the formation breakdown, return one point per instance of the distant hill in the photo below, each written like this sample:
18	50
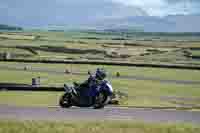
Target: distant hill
185	23
173	23
7	27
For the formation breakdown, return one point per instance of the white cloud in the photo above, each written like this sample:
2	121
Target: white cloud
164	7
141	2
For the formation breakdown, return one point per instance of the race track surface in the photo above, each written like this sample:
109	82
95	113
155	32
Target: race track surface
89	114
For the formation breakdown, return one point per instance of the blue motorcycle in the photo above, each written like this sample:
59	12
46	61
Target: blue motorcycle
94	94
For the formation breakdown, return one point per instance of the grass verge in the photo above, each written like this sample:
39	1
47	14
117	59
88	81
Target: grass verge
162	73
94	127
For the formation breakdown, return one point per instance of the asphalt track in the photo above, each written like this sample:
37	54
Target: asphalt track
133	77
89	114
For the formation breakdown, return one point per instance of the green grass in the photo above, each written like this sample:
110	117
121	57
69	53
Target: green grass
46	79
94	127
154	88
195	52
162	73
13	50
52	55
41	99
17	37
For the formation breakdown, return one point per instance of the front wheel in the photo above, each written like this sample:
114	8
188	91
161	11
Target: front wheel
101	100
65	101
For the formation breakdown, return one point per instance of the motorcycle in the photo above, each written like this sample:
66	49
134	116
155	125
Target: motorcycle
96	96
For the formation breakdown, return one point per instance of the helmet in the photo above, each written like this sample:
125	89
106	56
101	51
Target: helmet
100	73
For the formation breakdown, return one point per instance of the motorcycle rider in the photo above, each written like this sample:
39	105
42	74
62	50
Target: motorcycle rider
100	75
93	81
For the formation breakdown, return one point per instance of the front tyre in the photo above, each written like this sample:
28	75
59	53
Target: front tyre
65	101
101	100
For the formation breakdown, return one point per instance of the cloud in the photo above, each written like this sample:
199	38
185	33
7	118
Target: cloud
165	7
178	1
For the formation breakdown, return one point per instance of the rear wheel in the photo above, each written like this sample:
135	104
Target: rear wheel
65	101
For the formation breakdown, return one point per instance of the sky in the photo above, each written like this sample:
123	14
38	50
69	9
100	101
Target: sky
41	12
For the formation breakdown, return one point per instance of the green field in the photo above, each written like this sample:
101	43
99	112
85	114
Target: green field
110	49
94	127
195	52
